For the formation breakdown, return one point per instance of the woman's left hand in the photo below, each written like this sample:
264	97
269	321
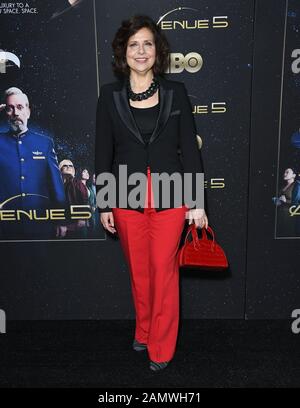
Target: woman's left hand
282	198
199	217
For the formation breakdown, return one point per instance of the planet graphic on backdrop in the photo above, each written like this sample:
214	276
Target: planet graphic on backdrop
295	139
68	6
199	142
5	58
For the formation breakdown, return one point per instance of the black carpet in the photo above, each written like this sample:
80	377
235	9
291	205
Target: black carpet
210	353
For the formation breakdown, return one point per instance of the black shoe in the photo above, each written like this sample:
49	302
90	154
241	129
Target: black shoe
158	366
137	346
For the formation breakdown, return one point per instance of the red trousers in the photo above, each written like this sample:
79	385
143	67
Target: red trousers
150	241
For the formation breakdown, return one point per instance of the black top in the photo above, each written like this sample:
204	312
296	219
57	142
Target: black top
145	119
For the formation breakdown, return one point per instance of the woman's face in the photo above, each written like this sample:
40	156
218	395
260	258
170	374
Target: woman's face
289	174
85	174
141	51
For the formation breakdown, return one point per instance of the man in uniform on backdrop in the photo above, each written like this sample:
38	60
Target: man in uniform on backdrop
30	177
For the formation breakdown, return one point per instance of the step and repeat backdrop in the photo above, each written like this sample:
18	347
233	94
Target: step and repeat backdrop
240	62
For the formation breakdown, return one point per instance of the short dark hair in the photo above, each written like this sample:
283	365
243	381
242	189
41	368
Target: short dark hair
126	30
294	170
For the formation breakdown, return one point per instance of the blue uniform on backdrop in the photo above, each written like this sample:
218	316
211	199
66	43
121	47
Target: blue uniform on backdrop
296	201
30	179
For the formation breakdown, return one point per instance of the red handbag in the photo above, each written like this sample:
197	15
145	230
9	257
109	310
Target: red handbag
201	253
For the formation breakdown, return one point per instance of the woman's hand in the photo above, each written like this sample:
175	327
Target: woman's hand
199	217
107	220
282	198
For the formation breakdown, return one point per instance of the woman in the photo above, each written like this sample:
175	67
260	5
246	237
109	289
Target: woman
76	194
84	177
142	120
286	223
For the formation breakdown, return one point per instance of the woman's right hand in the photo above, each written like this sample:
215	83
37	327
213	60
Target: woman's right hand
107	220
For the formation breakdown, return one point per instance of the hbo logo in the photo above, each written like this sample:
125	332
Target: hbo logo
192	62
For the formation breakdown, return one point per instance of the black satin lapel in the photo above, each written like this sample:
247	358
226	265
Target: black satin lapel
122	104
166	98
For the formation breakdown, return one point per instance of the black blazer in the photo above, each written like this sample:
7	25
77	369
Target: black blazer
118	139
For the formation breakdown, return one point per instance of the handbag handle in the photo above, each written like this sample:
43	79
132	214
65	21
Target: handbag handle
192	228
